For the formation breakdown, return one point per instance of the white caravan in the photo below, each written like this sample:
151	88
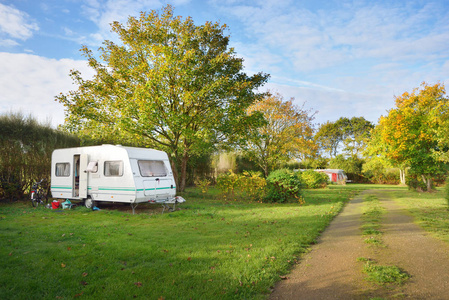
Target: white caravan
114	174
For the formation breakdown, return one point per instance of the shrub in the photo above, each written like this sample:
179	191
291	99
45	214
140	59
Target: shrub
252	184
248	186
414	182
282	186
313	180
203	184
227	183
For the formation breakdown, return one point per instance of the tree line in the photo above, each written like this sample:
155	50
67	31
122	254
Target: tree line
25	152
179	87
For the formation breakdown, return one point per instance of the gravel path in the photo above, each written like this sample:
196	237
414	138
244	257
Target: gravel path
331	271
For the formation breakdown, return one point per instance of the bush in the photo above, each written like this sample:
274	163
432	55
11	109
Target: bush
227	183
253	185
414	182
248	186
283	185
313	180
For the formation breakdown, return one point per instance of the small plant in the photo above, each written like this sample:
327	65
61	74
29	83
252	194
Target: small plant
203	184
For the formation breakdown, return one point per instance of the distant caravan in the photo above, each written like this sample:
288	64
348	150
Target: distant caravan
112	173
335	175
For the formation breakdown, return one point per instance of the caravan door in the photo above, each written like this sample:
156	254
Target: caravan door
84	160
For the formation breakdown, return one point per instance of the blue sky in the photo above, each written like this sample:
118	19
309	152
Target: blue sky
340	58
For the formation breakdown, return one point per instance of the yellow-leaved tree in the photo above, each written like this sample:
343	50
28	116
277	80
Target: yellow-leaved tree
413	134
286	133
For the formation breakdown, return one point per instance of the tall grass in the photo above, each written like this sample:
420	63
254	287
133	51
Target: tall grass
210	249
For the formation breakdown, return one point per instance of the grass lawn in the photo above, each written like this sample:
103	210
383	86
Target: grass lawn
210	249
429	209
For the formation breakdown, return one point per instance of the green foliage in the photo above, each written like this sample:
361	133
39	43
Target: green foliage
414	133
380	172
203	184
285	133
249	186
25	152
169	84
350	134
282	186
313	180
416	183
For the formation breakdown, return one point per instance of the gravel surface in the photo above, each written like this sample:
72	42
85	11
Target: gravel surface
331	270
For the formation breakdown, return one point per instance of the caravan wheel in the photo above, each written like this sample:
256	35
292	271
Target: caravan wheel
89	203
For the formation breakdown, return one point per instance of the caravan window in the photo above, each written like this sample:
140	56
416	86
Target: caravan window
92	167
152	168
113	168
62	169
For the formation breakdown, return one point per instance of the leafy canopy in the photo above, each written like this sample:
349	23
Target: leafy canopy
413	133
286	133
170	85
349	135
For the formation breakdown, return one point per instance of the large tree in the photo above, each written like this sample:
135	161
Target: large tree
411	134
286	133
347	135
171	85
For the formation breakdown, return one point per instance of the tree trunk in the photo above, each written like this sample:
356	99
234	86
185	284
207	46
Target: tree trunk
174	168
182	180
402	176
429	183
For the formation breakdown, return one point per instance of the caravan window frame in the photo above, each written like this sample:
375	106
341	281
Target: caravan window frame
107	168
65	170
146	170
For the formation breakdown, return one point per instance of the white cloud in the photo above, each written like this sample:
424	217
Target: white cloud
8	42
15	24
350	60
29	84
320	39
105	12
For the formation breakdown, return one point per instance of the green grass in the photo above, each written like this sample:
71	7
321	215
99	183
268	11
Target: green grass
384	274
371	221
210	249
430	210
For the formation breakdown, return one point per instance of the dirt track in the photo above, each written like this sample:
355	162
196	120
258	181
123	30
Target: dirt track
331	270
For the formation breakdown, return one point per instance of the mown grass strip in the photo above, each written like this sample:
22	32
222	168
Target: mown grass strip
371	221
429	209
211	249
383	274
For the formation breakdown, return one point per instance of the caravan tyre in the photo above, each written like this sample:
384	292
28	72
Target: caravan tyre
89	203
